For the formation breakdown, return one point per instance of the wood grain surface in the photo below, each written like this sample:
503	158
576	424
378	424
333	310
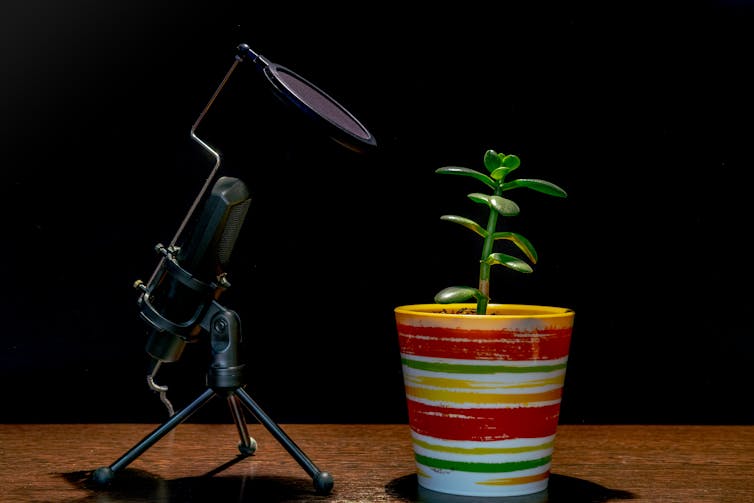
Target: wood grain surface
369	463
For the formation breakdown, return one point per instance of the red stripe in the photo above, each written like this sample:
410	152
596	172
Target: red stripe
443	342
483	424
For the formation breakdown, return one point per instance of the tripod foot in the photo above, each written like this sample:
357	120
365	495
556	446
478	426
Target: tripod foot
102	476
247	448
323	483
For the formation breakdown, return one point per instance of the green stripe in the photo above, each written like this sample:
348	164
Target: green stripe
455	368
465	466
483	450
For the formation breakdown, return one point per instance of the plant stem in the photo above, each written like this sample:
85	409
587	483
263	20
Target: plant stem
484	267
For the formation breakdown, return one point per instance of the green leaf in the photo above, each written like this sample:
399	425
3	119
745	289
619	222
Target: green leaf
492	160
456	170
539	185
509	262
508	163
480	198
511	162
499	174
454	294
469	224
521	242
505	207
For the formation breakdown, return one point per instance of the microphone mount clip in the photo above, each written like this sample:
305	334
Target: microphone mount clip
207	291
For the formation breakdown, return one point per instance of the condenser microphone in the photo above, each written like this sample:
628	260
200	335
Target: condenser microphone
192	274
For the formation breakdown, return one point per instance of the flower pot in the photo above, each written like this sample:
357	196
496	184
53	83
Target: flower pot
483	394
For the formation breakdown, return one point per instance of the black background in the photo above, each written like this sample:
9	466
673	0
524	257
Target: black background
643	113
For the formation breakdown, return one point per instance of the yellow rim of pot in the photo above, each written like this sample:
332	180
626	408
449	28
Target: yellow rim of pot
469	309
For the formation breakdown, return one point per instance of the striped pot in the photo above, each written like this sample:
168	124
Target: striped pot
483	394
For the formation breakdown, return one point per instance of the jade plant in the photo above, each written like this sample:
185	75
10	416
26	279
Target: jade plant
499	166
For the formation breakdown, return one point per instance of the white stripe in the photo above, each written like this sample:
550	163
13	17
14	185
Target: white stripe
502	390
514	442
510	363
488	476
482	340
472	484
473	405
501	379
474	385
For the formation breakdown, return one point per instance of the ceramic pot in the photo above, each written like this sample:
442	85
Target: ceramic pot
483	394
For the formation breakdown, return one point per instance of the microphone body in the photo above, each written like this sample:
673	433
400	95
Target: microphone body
193	271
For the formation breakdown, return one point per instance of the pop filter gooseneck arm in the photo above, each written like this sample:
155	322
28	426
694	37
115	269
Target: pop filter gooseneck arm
213	153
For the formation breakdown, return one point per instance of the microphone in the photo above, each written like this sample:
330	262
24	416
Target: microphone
192	273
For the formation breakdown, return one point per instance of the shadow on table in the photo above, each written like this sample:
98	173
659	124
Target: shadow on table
562	489
139	485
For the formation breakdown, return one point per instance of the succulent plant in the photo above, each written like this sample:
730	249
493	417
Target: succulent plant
499	166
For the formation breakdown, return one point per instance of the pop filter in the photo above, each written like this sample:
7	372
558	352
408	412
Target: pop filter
321	108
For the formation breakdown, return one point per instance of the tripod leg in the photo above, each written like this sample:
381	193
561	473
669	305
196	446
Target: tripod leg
248	445
225	373
104	475
323	481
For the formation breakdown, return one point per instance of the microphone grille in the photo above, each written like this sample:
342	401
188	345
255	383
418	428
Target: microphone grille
236	217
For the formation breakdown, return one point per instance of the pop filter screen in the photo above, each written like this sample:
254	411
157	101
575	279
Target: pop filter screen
311	99
295	90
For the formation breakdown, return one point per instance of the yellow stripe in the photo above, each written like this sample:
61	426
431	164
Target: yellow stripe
440	395
445	382
516	480
483	450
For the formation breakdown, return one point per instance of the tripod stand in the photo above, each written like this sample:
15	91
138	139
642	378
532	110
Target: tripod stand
224	377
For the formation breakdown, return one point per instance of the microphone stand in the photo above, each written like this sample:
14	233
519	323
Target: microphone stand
225	378
225	372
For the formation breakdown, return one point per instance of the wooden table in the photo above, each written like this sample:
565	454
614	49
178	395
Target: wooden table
369	463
